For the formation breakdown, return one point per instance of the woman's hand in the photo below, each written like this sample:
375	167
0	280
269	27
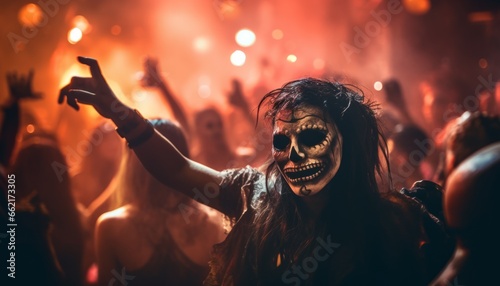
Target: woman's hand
236	97
93	91
20	86
151	76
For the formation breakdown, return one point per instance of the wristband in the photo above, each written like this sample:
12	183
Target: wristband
131	124
136	129
145	134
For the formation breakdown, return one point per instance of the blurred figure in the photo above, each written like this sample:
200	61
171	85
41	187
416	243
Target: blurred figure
443	100
394	111
443	95
19	88
213	142
49	236
93	176
407	154
486	100
158	236
466	135
471	210
251	138
213	146
152	78
408	143
97	169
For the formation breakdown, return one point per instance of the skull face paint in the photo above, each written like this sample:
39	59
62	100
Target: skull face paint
307	148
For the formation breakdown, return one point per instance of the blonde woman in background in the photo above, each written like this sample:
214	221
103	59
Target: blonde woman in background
157	236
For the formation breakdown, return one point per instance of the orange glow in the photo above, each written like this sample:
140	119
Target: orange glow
477	17
116	30
201	44
418	7
227	8
75	69
30	128
318	64
390	145
483	63
30	15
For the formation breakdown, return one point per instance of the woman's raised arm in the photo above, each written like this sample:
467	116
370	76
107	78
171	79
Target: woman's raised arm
158	155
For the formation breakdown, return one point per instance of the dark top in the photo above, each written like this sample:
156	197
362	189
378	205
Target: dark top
8	132
167	266
332	259
36	260
240	193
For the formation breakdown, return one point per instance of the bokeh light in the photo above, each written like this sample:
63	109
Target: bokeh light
81	23
378	86
245	37
30	15
74	35
201	44
238	58
277	34
291	58
483	63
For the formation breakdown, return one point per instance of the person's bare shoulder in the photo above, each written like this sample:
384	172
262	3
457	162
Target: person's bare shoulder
115	221
116	229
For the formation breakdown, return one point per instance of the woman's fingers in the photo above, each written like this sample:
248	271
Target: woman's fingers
73	96
82	96
62	93
88	90
31	74
72	102
83	83
69	99
95	70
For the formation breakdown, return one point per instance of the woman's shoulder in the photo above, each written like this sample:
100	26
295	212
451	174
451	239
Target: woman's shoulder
242	174
116	219
240	189
249	179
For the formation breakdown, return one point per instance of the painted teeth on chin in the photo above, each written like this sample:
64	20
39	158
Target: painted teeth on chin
307	167
310	177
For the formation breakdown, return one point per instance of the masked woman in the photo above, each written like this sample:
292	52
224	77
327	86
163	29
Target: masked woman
313	216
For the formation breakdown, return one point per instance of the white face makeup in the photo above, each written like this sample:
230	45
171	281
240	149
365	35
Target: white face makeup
307	148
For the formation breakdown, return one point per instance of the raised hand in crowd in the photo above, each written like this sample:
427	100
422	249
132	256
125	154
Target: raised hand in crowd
152	78
20	87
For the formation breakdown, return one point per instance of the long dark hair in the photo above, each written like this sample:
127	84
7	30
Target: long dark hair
281	226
